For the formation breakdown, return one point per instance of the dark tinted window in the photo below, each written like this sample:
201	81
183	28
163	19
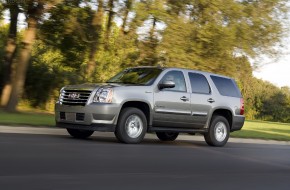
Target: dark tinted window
226	87
199	83
178	78
139	76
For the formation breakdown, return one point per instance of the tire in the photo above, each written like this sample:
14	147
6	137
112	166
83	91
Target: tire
167	136
80	134
219	131
132	126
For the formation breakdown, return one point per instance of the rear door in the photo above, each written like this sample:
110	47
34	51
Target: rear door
172	105
200	98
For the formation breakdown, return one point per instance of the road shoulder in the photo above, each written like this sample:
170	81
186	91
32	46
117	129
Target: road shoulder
59	131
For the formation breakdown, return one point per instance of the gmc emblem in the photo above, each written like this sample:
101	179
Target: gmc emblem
74	95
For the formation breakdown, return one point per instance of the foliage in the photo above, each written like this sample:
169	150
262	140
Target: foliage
1	11
265	101
211	34
89	41
48	70
276	107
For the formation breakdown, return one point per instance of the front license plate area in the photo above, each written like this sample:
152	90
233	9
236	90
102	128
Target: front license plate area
70	116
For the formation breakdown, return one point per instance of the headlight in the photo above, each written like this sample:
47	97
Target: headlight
104	95
61	93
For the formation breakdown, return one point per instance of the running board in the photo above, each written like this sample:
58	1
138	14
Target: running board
179	130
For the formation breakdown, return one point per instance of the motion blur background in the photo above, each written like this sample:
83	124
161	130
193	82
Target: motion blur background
45	45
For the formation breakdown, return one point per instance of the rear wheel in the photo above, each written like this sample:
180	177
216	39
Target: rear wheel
80	134
132	126
219	131
167	136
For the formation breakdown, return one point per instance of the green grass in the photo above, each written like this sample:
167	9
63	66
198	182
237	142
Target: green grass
264	130
251	129
22	118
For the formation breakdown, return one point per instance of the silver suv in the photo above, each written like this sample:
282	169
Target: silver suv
167	101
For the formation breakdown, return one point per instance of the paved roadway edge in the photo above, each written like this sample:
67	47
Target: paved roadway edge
58	131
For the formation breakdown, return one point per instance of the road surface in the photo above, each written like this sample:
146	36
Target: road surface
56	161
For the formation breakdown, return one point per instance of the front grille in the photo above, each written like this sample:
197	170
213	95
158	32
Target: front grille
80	116
74	97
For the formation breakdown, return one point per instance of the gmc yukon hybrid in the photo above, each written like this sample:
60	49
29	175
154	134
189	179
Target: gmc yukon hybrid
167	101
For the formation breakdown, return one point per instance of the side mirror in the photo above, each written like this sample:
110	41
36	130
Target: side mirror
166	84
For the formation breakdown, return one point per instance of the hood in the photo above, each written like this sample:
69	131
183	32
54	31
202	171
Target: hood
91	86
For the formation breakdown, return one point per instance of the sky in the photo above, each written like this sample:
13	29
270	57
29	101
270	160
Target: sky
277	73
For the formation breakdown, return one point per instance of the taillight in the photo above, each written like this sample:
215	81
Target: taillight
242	107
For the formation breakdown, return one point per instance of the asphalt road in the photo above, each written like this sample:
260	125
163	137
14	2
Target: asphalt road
36	161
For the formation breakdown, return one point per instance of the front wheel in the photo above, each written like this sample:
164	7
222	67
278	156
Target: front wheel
167	136
79	134
132	126
219	131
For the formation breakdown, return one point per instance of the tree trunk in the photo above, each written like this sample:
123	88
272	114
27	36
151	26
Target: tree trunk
9	55
92	60
126	14
152	44
152	37
109	23
96	26
23	58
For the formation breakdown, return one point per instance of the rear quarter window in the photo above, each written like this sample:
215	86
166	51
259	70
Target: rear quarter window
226	86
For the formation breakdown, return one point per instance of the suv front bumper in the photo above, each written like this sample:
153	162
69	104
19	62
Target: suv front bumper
95	116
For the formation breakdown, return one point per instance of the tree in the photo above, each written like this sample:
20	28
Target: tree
126	10
275	108
34	11
210	35
3	39
110	7
95	30
88	41
10	52
152	14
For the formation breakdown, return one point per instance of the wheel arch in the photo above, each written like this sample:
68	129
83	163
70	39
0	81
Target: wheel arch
143	106
225	113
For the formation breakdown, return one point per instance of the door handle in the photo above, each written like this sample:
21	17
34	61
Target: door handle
210	100
183	98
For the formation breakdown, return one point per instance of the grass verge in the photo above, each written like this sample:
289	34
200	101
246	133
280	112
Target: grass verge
23	118
264	130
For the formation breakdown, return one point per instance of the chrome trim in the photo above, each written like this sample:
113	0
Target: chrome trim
199	113
171	111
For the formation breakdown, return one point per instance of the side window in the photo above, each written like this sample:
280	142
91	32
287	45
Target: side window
178	78
199	83
226	87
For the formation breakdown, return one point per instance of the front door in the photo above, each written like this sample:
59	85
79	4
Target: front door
172	105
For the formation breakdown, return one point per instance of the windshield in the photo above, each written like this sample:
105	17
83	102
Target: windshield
139	76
